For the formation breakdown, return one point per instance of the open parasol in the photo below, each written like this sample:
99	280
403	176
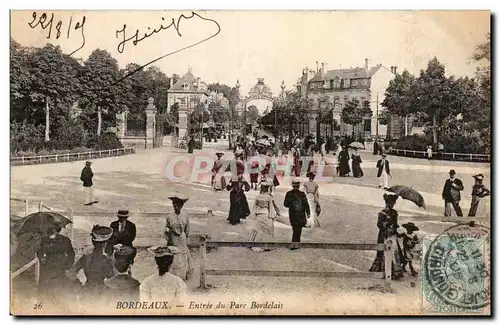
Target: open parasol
39	222
409	194
357	145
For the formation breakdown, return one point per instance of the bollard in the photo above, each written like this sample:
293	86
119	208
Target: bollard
203	262
37	271
388	259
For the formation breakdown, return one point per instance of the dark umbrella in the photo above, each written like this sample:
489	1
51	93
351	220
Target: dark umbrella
39	222
409	194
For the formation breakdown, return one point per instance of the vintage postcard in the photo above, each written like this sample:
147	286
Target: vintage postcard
250	163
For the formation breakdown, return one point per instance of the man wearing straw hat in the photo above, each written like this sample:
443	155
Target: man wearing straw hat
86	177
163	285
298	211
124	232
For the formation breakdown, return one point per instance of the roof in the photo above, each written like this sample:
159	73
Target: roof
352	73
188	78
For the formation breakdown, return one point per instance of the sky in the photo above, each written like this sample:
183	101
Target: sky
274	45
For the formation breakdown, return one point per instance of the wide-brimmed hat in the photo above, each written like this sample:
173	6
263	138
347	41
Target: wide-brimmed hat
410	226
178	197
123	252
311	174
390	196
101	233
479	177
219	154
122	214
160	251
452	172
88	162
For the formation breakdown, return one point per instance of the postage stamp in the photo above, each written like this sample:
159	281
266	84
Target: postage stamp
455	271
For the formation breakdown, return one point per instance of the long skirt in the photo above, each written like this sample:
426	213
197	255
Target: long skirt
356	170
313	220
238	208
344	168
262	230
379	262
182	266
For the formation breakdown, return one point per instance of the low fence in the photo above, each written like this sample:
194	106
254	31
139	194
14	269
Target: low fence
387	248
441	156
66	157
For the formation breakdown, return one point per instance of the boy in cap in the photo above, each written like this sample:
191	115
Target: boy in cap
163	285
122	287
298	211
124	232
86	177
478	192
451	194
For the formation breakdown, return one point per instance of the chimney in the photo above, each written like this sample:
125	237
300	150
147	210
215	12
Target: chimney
322	69
395	69
366	63
317	66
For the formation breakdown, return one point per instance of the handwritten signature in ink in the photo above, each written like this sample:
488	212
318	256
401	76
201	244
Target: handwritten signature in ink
45	23
135	38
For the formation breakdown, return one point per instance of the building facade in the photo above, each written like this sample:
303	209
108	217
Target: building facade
187	92
327	92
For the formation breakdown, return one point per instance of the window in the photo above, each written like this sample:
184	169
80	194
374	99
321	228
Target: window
182	100
368	125
336	83
346	83
185	86
365	103
354	83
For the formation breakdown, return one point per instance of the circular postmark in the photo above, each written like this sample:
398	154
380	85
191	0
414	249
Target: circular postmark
457	266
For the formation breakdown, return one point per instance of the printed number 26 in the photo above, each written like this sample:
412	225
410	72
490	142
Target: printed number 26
37	306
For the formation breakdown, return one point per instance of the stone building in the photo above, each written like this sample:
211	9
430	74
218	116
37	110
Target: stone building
328	91
188	92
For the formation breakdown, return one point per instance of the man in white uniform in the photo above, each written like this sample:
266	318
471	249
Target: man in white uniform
383	173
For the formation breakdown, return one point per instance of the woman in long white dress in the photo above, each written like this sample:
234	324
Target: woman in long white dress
265	212
176	232
311	188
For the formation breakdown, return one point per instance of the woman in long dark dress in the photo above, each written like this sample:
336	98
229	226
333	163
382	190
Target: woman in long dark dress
238	208
56	255
387	224
356	164
344	169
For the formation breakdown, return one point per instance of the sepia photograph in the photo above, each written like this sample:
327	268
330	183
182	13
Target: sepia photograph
250	163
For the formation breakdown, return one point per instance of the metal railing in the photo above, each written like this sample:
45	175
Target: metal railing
65	157
387	248
441	156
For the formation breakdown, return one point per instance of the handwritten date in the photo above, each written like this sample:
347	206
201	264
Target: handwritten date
46	22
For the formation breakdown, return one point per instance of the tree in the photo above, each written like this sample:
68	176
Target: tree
220	88
174	113
101	95
353	113
20	82
253	114
54	82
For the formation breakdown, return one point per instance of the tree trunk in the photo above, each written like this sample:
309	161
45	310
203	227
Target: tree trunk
47	120
434	129
99	121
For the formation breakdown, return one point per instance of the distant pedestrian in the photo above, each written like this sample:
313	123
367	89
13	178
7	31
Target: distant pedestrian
357	172
441	150
343	158
86	177
238	204
383	172
375	147
218	183
191	144
451	194
311	188
323	152
478	192
429	152
298	211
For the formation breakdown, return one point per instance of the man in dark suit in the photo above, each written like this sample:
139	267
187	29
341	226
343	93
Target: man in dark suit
383	172
86	177
123	232
122	286
298	211
451	194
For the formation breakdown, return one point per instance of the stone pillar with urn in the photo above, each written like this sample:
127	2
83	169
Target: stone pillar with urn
150	123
